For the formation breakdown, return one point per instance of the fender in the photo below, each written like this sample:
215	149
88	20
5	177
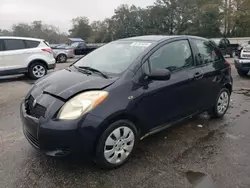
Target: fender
58	53
40	60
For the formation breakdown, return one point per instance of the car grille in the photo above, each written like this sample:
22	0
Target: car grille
34	141
35	110
245	65
246	55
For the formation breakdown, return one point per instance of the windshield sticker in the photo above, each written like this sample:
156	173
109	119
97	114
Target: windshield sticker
141	44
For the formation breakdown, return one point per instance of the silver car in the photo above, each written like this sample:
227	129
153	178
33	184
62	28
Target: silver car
62	53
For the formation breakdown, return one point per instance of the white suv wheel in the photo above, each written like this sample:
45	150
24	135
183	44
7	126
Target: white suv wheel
37	70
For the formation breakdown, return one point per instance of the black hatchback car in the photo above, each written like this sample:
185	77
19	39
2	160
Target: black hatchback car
122	92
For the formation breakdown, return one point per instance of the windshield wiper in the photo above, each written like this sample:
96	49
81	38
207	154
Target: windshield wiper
94	70
85	71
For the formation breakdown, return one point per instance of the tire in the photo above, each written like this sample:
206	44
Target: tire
233	54
242	73
62	58
218	111
115	149
37	70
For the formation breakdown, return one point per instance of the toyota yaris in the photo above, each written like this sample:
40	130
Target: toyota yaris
122	92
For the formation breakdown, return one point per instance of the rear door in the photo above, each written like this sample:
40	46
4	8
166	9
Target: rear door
31	48
212	62
15	54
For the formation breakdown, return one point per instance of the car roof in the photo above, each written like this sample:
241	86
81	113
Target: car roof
156	38
216	38
76	40
21	38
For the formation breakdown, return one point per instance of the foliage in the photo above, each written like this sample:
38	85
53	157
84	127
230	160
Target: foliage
207	18
81	28
36	30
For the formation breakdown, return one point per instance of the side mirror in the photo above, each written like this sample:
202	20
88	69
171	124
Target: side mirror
248	42
159	74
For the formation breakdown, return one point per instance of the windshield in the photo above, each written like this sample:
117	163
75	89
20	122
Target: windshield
114	57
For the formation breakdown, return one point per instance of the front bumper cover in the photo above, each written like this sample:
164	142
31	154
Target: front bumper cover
57	137
242	64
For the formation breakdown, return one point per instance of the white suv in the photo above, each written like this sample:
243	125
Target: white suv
242	64
29	56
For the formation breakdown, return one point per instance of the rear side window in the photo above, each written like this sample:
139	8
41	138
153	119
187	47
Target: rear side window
47	44
223	43
227	41
207	51
32	44
14	44
1	45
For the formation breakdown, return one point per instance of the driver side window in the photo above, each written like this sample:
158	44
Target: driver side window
173	56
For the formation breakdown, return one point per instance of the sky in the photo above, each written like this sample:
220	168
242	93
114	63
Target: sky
59	12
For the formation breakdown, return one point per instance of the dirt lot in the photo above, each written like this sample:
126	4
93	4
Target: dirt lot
215	151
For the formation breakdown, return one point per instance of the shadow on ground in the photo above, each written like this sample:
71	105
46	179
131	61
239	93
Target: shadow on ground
156	157
15	78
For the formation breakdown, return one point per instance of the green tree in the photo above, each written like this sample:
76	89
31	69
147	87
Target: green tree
5	32
81	28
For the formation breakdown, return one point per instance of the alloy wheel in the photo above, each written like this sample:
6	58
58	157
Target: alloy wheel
39	71
223	103
62	58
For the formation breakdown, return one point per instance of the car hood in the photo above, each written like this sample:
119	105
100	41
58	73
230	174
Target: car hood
66	83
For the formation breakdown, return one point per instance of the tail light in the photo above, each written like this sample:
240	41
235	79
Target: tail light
228	63
49	50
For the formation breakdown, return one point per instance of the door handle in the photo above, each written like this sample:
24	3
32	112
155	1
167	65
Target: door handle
198	75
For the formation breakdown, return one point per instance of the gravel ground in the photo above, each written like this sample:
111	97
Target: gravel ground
200	151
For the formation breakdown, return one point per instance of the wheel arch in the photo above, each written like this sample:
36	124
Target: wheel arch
229	87
38	60
61	53
115	117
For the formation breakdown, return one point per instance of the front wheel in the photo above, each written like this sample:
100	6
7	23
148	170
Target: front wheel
221	104
116	144
233	54
242	73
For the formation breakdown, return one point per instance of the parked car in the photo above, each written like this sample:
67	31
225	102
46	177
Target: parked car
242	63
29	56
81	48
241	46
62	53
103	104
226	47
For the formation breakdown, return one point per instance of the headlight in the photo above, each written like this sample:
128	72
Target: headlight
81	104
246	49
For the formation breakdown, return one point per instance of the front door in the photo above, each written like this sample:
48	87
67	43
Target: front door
170	100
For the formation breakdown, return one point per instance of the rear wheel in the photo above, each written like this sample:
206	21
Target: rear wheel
221	104
37	70
242	73
61	58
116	144
233	54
